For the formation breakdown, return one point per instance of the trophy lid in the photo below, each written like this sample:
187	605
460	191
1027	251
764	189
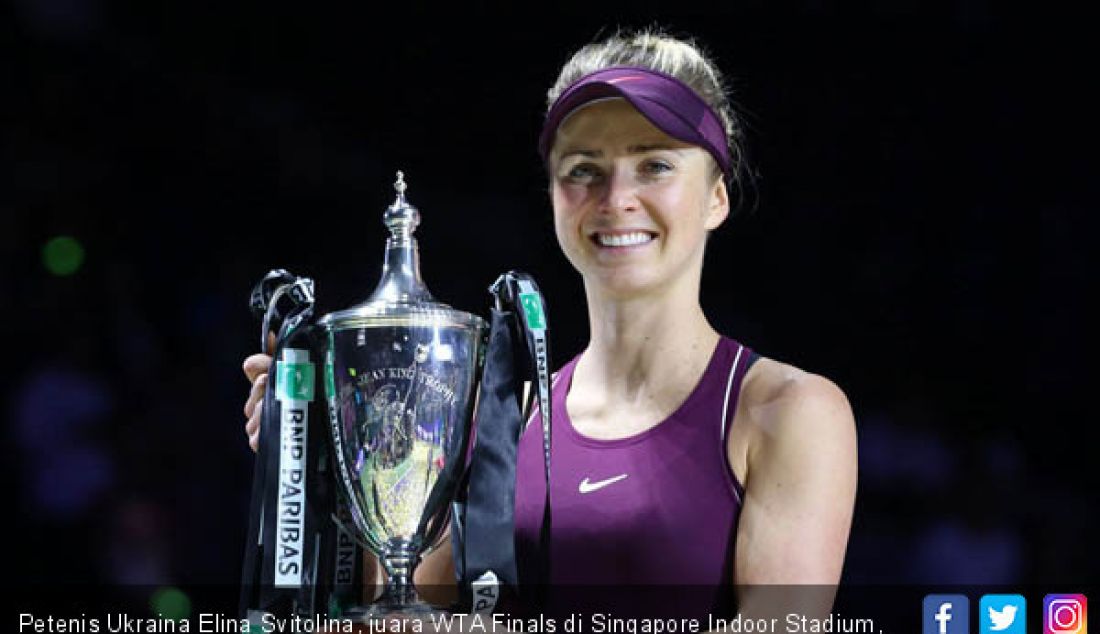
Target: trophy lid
401	297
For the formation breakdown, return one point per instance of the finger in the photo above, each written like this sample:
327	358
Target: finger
253	427
255	395
256	365
253	424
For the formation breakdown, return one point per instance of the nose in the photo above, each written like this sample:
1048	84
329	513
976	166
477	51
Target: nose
621	194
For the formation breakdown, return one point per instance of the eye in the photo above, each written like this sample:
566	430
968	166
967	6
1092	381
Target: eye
583	173
654	167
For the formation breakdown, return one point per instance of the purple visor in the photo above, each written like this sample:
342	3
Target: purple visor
669	104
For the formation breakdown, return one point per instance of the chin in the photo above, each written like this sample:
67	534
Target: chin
622	284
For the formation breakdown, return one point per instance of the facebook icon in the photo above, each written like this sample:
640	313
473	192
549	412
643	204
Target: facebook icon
946	614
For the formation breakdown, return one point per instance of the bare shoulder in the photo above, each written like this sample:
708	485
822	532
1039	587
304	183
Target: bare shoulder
800	464
783	403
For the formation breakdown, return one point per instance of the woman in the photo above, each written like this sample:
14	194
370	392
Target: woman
680	457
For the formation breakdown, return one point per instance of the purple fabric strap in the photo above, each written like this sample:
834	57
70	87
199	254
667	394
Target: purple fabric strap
668	103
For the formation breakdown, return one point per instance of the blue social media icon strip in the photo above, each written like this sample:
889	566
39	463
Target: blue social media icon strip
1002	614
946	614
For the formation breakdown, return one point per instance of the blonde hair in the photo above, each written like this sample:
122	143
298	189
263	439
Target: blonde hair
680	57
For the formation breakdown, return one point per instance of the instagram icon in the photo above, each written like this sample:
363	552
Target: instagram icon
1065	614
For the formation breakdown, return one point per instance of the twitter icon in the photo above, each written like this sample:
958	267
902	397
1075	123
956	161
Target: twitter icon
1002	613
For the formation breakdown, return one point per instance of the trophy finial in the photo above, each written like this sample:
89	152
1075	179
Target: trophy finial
401	281
400	185
401	217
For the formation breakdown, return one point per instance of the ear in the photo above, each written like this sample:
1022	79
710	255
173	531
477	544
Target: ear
718	204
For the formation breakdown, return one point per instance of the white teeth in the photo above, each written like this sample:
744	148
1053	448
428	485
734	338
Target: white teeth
623	240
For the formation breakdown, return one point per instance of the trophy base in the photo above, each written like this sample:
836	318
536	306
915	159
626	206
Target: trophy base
383	611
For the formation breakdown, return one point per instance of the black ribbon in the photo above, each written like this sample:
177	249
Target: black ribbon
258	591
493	464
484	526
285	303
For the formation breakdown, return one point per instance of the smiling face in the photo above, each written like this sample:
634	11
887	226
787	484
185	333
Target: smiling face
632	205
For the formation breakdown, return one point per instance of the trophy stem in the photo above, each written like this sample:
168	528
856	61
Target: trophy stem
399	596
400	592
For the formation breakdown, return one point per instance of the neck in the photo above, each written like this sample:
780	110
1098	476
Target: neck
638	341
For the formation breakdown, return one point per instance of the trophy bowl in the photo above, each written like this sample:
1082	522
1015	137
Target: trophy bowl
400	373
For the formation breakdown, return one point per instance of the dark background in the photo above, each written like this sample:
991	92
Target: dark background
920	232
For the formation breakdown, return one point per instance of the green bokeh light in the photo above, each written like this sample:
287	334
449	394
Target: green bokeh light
170	603
63	255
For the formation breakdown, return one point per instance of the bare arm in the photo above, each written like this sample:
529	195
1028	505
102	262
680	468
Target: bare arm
800	492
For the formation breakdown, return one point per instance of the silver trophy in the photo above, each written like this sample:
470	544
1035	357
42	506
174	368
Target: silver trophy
400	373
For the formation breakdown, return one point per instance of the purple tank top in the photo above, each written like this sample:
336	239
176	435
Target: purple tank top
657	509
